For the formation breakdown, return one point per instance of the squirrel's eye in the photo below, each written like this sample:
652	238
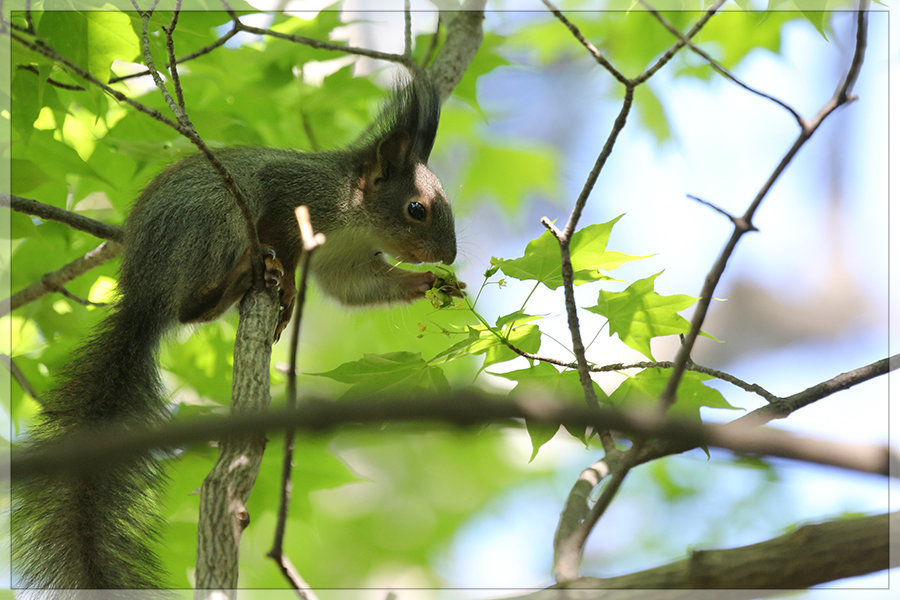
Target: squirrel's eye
417	211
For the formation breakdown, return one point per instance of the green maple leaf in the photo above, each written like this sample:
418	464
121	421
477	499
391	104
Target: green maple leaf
545	379
638	313
644	389
587	248
394	371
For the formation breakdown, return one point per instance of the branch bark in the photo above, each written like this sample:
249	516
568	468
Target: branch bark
52	213
810	555
466	408
223	497
52	282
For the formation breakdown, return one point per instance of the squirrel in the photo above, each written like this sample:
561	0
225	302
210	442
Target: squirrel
187	259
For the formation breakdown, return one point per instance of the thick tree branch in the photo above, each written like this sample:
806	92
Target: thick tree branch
462	409
223	496
464	35
810	555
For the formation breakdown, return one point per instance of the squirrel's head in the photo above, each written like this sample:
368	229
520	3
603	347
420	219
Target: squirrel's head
407	205
402	196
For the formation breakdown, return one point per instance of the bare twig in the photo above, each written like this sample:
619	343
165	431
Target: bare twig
173	63
432	46
671	52
52	282
598	56
320	45
311	241
563	237
407	32
50	80
744	224
716	66
734	220
649	364
77	299
20	378
188	57
53	213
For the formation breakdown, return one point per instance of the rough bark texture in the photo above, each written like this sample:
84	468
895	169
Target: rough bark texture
808	556
223	497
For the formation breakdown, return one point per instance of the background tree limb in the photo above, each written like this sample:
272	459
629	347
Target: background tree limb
809	555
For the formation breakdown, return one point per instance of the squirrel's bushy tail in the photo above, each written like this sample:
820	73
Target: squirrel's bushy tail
92	529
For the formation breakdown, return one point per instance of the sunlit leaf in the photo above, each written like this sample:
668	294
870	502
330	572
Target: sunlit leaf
643	390
638	313
588	253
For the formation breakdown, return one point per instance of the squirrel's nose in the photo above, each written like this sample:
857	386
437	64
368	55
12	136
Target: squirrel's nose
449	253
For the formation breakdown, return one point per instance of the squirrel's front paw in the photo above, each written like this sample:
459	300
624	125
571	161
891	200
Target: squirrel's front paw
436	289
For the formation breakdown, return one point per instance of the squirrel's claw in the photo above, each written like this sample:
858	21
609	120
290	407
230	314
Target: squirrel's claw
274	269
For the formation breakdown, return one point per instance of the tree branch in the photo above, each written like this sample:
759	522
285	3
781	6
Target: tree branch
576	33
223	496
311	241
464	35
716	66
52	282
66	217
807	556
579	515
462	409
744	224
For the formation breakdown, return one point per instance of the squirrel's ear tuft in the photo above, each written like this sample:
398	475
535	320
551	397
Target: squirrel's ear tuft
425	102
404	131
393	151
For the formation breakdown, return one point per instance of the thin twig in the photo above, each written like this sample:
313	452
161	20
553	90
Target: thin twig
151	64
598	56
20	378
734	220
432	46
188	57
745	223
563	237
671	52
173	63
79	300
661	364
320	45
52	213
52	282
50	80
311	241
407	32
719	68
